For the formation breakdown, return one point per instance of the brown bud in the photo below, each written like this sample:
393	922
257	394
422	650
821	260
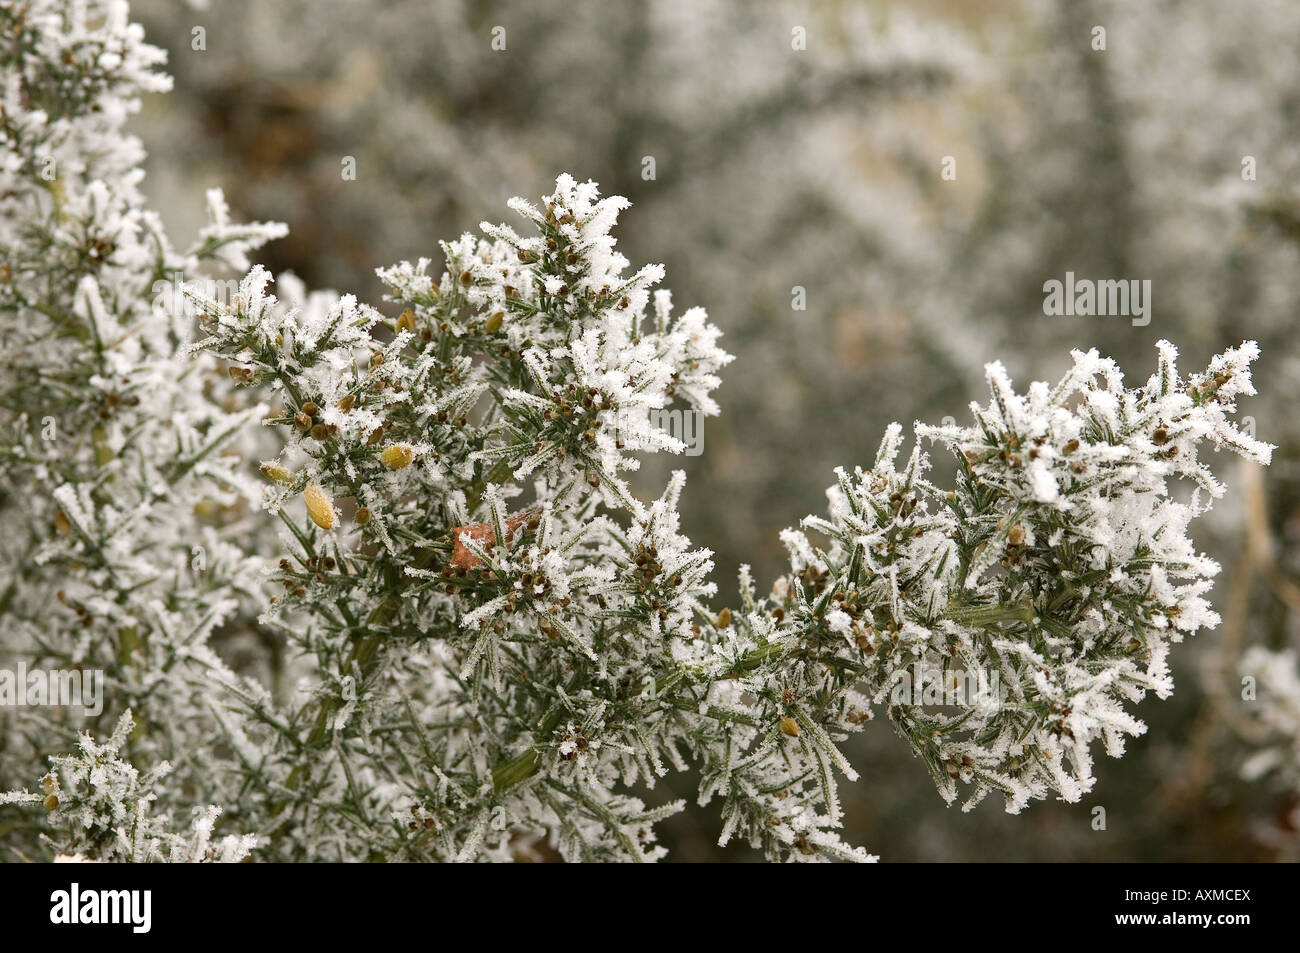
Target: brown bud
483	534
406	321
362	516
789	726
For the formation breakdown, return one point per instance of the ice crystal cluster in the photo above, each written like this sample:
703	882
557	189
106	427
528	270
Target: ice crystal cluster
481	643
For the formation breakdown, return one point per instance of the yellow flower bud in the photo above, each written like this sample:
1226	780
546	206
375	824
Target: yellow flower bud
397	456
320	507
493	324
277	474
789	727
51	801
406	321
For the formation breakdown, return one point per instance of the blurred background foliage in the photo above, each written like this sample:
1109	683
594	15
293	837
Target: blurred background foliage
778	168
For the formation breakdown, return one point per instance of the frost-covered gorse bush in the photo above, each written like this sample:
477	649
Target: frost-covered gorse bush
481	642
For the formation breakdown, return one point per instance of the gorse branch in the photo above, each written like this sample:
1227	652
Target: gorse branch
1056	572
